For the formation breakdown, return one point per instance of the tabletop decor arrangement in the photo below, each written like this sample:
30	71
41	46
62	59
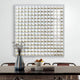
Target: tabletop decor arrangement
19	65
39	63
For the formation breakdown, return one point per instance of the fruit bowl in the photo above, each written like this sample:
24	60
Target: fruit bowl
39	62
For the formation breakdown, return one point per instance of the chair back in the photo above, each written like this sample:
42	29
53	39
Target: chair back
8	64
63	64
35	64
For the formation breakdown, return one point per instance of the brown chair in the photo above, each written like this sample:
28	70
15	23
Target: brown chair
34	64
30	64
8	64
46	64
66	77
64	64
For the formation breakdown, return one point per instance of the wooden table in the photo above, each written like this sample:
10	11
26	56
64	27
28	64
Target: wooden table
66	72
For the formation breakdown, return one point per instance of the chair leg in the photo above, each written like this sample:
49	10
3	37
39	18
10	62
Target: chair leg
71	77
66	77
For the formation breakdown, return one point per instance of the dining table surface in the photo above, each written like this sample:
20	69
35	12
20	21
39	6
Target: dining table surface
46	70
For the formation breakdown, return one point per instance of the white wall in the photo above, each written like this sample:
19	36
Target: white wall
71	31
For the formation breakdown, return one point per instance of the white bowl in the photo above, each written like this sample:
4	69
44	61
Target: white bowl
38	63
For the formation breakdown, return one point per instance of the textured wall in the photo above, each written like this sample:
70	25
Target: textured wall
71	31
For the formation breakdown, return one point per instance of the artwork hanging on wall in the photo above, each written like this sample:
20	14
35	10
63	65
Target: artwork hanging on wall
39	28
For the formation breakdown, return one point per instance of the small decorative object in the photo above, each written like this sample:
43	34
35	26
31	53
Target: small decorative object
39	64
19	65
41	29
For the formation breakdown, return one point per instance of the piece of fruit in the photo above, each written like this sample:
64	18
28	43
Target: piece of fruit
41	60
37	60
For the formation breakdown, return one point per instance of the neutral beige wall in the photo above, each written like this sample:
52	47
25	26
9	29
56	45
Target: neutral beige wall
71	30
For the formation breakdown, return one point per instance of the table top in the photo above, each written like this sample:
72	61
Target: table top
58	70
